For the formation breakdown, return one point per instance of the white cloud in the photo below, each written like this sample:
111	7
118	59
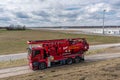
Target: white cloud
58	12
98	7
94	8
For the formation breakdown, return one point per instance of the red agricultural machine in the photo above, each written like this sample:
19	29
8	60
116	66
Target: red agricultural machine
47	53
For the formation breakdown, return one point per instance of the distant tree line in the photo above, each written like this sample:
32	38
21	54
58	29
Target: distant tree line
16	27
2	27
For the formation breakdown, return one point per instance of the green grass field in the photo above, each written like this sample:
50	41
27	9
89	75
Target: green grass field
15	41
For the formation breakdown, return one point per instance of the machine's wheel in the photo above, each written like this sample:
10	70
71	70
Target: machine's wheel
69	61
77	59
82	59
35	65
42	66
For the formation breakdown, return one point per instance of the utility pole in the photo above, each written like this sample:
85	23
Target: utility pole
103	21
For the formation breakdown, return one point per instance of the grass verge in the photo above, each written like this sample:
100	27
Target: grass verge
115	49
13	63
102	70
92	52
21	62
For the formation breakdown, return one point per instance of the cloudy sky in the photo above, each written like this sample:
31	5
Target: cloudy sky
59	12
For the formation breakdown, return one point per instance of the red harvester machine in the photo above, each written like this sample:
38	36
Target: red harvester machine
47	53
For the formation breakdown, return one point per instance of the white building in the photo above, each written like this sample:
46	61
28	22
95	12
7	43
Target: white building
111	31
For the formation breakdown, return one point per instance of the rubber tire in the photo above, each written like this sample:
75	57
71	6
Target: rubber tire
69	61
36	65
77	59
82	59
42	66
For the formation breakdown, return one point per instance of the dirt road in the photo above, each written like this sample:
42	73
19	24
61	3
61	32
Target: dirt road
24	55
25	69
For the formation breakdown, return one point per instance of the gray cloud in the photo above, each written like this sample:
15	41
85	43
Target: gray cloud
1	10
55	12
21	15
5	19
41	13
